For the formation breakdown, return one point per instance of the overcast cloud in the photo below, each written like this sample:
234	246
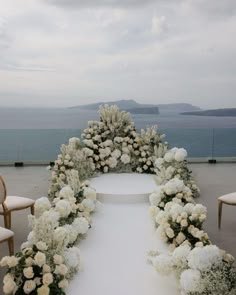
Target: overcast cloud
71	52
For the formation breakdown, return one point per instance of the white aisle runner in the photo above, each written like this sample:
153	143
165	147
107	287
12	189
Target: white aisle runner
113	256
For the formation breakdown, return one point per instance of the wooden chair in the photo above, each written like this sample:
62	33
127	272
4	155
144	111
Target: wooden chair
7	235
12	203
229	199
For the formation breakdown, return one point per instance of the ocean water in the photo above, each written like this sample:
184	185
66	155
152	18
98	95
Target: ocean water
35	135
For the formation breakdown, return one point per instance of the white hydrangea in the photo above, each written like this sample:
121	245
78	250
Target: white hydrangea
66	193
174	186
72	257
190	281
180	155
204	258
90	193
156	196
180	255
169	156
112	162
88	205
81	224
163	264
42	205
63	208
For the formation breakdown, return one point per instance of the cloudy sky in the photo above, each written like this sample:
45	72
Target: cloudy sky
70	52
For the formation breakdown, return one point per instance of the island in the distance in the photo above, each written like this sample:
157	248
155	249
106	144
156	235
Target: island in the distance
134	107
230	112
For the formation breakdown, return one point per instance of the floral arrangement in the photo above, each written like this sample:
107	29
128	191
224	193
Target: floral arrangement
202	270
174	165
182	224
114	145
50	256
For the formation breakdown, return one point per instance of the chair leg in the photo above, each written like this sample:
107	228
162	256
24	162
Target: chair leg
11	246
7	220
220	205
32	209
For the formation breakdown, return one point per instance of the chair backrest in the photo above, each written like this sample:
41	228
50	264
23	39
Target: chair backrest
3	190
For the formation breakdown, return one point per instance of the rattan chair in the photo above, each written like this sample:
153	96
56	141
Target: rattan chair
7	235
12	203
229	199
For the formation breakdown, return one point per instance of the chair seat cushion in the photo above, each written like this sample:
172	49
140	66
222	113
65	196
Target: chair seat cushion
15	203
229	198
5	234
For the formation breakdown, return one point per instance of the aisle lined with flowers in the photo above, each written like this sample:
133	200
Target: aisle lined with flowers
114	254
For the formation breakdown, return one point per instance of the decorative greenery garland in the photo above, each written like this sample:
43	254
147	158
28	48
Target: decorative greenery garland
50	256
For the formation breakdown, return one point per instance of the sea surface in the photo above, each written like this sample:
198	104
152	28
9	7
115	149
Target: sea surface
35	135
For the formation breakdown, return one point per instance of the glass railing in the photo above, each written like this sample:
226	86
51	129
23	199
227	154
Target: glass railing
42	146
33	145
204	143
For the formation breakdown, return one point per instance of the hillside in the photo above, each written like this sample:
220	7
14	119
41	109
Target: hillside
131	104
231	112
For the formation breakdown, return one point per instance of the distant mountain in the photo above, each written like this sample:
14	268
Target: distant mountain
135	107
178	108
144	110
216	113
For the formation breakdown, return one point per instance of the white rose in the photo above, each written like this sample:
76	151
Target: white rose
29	286
9	286
41	246
170	233
44	290
184	223
58	259
47	278
46	268
29	261
63	284
12	261
40	259
28	272
61	269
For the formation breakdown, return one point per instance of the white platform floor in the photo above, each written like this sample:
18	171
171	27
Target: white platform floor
113	256
123	187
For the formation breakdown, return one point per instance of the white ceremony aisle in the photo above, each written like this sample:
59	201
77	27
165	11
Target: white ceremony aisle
113	256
